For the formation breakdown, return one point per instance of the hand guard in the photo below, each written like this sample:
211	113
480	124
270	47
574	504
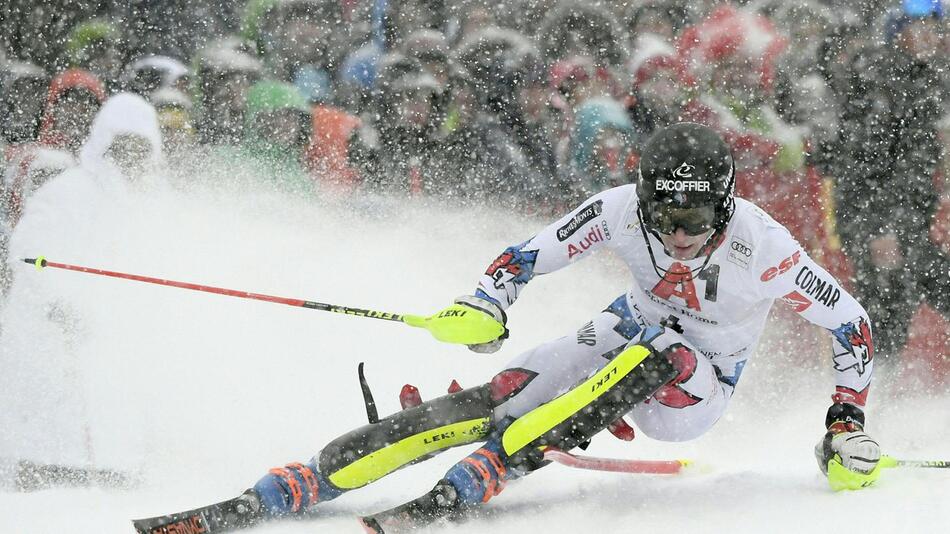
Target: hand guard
471	321
846	454
492	309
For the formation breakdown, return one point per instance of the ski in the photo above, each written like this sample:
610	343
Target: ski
442	502
233	514
439	503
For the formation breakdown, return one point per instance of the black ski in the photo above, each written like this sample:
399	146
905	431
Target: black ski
439	503
226	516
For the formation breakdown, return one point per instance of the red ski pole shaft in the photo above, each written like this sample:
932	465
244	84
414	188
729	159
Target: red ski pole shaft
42	262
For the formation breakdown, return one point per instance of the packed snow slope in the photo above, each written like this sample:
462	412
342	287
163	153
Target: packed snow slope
201	394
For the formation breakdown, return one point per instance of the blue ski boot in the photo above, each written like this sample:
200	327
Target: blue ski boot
293	489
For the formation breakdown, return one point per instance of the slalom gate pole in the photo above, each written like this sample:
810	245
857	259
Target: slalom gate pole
41	262
654	467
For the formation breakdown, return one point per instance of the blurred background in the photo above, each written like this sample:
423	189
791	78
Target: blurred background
836	110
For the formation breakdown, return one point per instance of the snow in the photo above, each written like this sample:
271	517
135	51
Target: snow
217	390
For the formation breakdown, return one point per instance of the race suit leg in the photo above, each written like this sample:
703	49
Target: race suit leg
690	404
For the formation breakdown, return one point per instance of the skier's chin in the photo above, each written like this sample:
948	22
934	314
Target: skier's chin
683	248
683	253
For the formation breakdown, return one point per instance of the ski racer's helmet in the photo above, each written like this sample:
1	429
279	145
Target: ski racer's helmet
686	180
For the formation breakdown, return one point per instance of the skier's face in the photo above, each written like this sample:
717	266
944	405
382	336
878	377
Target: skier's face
288	129
535	103
738	79
105	61
923	39
228	96
661	95
682	246
73	115
23	113
413	109
610	157
655	21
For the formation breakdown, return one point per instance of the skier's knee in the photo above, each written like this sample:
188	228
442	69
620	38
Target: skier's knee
689	404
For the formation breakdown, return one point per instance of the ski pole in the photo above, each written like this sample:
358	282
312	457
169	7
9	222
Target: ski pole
891	462
468	329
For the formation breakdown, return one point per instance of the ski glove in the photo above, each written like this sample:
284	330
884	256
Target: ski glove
490	308
846	454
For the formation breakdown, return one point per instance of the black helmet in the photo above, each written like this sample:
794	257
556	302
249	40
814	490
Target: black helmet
686	180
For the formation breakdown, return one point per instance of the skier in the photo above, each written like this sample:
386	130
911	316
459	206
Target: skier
706	269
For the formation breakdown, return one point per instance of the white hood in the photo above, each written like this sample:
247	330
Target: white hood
123	114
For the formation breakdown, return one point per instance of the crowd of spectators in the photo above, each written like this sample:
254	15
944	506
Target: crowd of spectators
836	110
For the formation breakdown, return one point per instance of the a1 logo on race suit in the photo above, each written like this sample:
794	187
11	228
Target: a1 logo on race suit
678	282
856	348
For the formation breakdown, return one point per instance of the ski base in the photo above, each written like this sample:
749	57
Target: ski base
226	516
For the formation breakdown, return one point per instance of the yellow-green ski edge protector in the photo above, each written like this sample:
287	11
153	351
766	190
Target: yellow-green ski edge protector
386	460
842	478
535	423
40	262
